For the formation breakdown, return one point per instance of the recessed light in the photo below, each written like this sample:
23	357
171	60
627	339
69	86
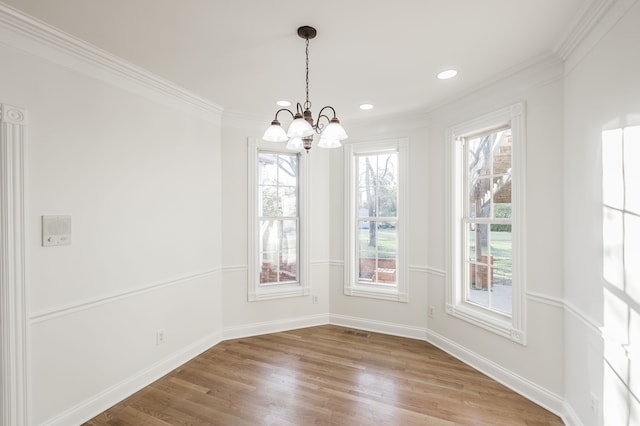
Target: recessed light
366	107
444	75
283	103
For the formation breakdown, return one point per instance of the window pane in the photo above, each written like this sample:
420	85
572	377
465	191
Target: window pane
479	150
501	245
501	250
502	152
387	246
288	201
267	169
270	233
502	290
268	202
289	251
479	198
477	238
387	201
367	253
366	202
287	170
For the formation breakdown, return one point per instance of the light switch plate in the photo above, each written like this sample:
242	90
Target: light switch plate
56	230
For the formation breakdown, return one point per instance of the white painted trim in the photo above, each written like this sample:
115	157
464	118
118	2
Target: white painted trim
256	292
400	292
592	22
569	416
394	329
31	35
437	272
585	319
98	403
518	384
545	299
259	328
235	268
14	346
49	314
513	327
337	263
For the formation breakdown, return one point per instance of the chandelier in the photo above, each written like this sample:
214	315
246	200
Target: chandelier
301	130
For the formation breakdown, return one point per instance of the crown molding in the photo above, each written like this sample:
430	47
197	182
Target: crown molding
594	19
26	33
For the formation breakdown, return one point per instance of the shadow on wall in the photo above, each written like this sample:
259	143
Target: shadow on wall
621	272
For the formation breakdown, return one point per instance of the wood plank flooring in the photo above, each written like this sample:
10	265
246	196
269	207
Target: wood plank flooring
326	375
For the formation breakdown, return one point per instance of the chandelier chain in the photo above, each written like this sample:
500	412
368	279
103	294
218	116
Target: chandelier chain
307	103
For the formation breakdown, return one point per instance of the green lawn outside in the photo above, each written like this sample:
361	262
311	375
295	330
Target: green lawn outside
386	242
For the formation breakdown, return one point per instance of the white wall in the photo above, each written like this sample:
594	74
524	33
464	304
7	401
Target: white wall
141	182
602	92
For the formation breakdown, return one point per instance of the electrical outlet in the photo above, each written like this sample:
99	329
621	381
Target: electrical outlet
431	309
160	337
314	299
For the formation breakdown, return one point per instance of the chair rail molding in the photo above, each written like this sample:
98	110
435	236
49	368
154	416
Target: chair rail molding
13	324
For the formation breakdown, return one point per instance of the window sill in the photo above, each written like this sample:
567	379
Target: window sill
279	291
493	322
376	293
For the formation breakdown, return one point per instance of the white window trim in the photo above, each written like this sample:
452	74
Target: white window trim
399	292
514	327
302	287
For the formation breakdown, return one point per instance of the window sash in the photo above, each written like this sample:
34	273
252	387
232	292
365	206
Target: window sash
460	218
273	279
386	283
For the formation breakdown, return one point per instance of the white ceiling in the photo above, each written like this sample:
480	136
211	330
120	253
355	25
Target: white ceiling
245	54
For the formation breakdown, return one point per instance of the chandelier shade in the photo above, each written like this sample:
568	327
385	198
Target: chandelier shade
300	133
275	133
329	143
295	144
334	131
300	128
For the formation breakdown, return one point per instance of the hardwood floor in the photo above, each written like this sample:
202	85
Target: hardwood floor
325	375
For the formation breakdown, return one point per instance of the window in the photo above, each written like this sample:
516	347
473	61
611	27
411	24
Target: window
278	260
375	220
486	257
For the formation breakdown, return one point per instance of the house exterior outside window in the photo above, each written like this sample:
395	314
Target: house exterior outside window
486	222
278	212
375	220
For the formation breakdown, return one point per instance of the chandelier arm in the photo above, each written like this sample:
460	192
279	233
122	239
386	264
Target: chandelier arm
327	107
319	127
284	109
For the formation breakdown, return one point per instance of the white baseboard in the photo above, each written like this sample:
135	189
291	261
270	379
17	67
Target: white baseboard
113	395
519	384
379	326
570	417
256	329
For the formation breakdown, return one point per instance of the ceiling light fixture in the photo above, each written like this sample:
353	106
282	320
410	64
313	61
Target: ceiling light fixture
302	128
447	74
366	107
